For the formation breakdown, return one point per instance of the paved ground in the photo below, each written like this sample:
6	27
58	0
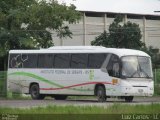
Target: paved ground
75	101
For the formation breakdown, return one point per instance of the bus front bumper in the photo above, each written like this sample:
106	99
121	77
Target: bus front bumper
137	91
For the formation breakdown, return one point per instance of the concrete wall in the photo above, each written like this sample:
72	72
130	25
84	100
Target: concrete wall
153	33
92	25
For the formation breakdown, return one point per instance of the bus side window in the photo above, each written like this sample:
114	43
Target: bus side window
62	60
15	61
113	66
79	61
30	60
96	60
45	61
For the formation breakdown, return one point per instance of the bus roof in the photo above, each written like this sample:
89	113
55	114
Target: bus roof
85	49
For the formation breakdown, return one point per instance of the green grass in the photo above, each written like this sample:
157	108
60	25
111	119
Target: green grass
113	109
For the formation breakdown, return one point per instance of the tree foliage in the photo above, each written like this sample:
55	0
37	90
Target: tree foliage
155	56
26	24
120	35
126	35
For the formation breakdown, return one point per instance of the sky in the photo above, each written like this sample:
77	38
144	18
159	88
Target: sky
146	7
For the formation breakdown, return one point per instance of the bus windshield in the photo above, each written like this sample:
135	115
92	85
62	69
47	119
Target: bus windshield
136	67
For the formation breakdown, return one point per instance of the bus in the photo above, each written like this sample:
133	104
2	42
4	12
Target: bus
65	71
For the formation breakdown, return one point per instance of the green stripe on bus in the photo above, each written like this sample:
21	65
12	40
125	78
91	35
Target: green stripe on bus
44	80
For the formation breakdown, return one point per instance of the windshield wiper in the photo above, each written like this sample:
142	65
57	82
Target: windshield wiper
134	74
141	70
137	71
145	73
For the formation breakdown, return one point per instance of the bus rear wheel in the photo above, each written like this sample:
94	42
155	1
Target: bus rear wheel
60	97
34	91
129	98
101	94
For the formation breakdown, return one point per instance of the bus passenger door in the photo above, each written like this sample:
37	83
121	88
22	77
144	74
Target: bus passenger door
113	69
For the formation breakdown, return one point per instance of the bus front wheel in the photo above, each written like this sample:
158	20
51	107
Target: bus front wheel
34	91
129	98
101	94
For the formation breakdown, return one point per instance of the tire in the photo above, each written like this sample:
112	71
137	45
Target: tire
129	98
60	97
34	91
101	94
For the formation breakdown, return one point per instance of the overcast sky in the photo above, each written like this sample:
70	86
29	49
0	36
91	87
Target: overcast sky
118	6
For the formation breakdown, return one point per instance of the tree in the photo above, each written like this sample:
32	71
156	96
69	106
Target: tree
26	24
155	56
127	35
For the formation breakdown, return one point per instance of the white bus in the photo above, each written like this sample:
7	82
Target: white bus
81	70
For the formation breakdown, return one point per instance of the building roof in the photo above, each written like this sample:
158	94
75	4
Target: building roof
140	7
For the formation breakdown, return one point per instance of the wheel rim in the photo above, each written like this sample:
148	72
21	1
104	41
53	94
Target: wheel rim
100	95
35	91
